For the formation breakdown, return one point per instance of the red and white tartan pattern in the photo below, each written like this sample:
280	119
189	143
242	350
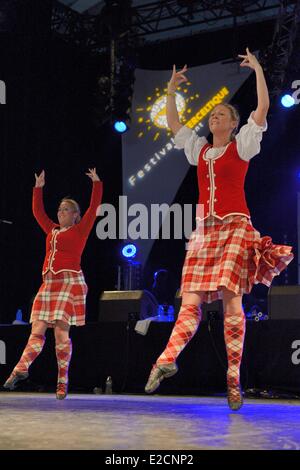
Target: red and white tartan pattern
184	329
63	355
61	297
32	349
234	334
231	253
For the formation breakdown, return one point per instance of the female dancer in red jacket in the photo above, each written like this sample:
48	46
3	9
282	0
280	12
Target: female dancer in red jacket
60	301
229	256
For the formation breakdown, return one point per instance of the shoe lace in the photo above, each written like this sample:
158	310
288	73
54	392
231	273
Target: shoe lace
61	388
234	391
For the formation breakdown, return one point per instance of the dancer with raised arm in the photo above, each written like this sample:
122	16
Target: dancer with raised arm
60	301
232	255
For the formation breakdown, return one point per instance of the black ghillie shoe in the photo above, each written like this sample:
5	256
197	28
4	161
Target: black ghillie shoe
158	373
61	391
234	395
14	378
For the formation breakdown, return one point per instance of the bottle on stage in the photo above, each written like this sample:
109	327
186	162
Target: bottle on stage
108	386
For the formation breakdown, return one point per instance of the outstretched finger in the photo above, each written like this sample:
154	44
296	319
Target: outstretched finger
184	69
182	80
245	64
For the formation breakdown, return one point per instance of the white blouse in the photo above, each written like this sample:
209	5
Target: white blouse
248	142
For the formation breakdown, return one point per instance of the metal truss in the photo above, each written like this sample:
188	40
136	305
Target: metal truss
170	15
158	19
161	17
75	28
276	57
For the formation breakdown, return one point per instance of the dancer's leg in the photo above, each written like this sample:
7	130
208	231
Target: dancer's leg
63	349
234	334
33	348
184	329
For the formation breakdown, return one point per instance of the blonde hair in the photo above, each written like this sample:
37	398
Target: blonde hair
234	116
75	206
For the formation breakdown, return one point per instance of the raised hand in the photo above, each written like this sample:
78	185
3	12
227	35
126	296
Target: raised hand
249	60
92	174
263	100
40	180
177	78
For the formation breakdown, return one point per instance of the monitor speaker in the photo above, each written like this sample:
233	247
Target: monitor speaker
126	305
284	303
214	310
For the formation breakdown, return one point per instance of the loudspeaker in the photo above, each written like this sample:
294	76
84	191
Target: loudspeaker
126	305
214	310
284	303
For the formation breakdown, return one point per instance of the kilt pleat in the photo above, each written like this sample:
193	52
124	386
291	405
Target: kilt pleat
61	296
230	253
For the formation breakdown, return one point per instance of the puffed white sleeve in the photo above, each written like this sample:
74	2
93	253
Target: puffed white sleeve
192	144
248	139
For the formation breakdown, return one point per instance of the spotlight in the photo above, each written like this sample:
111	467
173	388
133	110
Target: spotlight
120	126
287	101
129	251
122	91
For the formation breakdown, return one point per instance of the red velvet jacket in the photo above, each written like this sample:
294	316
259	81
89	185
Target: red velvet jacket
64	249
221	183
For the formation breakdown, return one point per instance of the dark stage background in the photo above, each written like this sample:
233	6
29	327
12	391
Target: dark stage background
270	367
50	122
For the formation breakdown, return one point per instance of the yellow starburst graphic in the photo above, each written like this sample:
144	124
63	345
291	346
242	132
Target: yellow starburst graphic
152	117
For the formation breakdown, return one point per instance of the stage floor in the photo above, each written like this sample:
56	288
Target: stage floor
138	422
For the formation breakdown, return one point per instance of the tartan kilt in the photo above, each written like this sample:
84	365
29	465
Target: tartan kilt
61	297
230	253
